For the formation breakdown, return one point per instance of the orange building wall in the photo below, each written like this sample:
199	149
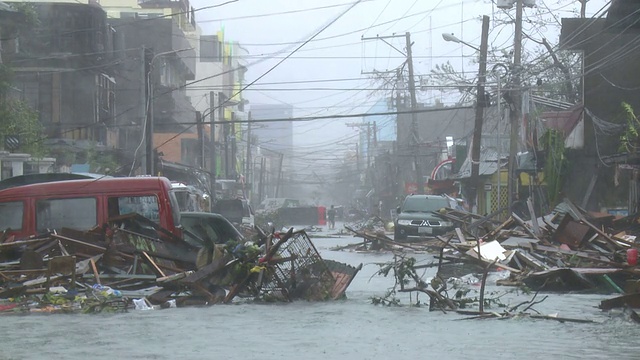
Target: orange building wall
172	149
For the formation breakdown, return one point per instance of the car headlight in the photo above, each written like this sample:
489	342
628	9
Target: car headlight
446	223
404	222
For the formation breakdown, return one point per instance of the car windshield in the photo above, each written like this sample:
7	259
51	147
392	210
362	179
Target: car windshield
201	230
421	204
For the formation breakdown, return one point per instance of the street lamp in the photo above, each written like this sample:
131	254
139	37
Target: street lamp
149	120
453	38
480	104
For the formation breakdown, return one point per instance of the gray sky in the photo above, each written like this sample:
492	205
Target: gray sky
343	56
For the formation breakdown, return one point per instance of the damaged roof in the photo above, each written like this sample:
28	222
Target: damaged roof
488	164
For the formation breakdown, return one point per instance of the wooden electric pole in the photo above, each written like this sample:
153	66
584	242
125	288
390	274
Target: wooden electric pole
481	103
212	146
249	171
414	116
200	130
415	136
514	113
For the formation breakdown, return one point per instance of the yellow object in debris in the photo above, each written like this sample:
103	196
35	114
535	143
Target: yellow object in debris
257	269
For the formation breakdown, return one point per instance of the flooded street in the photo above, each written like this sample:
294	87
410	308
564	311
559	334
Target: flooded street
349	329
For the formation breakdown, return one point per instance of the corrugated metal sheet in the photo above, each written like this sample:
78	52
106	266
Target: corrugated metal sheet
488	164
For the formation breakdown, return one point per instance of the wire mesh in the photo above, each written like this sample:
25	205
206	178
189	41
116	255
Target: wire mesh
303	275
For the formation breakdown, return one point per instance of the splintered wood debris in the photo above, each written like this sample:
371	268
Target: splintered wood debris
113	268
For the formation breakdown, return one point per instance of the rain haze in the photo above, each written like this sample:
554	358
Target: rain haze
337	59
319	179
335	65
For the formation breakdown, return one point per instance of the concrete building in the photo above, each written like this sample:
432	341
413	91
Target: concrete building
64	68
156	62
600	176
221	69
274	144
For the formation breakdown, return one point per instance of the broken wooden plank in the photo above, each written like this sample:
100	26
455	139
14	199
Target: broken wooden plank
122	277
20	243
531	261
461	237
580	254
534	219
631	300
561	319
498	229
78	242
524	226
95	271
153	264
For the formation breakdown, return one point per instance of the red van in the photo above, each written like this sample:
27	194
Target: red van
84	204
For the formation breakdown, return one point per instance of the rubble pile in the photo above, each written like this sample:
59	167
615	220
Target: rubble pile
570	250
114	268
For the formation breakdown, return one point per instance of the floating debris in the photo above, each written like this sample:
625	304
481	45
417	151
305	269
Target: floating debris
114	268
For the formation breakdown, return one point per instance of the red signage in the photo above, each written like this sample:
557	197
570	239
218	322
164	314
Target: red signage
412	188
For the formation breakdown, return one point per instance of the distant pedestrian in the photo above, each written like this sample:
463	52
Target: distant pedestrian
331	216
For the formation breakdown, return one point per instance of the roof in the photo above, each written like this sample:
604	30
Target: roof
564	120
488	164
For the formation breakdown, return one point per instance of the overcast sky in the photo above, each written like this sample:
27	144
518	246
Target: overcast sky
339	54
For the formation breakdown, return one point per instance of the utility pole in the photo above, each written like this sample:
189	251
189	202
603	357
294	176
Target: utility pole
480	105
248	171
144	95
415	139
212	146
148	123
498	133
222	99
375	135
414	116
234	148
357	159
279	175
261	185
225	131
200	131
514	113
368	145
368	126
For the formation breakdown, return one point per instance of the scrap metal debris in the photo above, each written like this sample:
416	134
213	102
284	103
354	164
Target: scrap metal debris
114	268
568	250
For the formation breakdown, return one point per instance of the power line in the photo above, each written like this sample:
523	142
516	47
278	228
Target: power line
311	118
270	69
339	35
279	13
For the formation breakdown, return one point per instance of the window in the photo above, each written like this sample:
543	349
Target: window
146	206
421	204
11	215
175	208
210	49
189	151
76	213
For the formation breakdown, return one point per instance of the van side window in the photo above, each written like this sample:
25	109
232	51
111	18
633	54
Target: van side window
11	214
75	213
146	206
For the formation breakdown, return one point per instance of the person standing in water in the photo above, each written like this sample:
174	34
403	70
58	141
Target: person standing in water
331	216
